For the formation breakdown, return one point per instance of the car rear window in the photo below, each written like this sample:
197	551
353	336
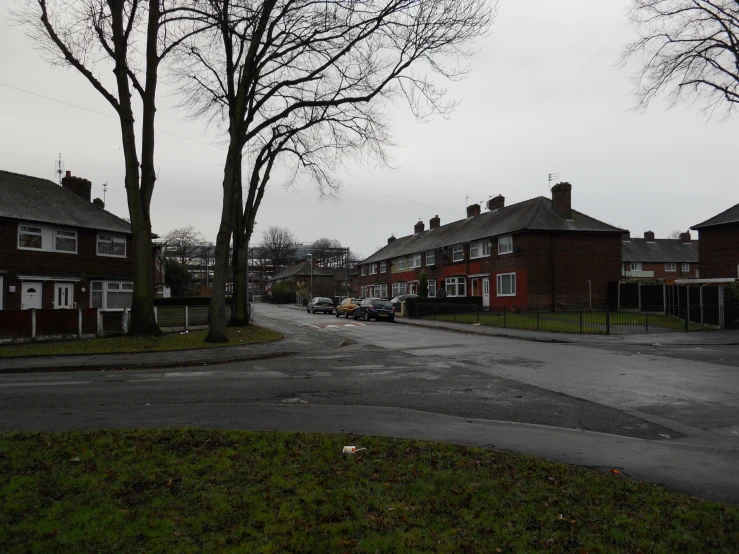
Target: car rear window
326	300
382	304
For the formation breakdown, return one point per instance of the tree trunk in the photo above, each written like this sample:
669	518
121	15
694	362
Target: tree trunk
240	305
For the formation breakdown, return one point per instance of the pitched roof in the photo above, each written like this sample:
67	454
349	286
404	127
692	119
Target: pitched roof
302	270
659	251
728	216
537	214
33	199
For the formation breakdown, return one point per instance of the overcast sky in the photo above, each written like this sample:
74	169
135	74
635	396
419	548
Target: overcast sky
544	96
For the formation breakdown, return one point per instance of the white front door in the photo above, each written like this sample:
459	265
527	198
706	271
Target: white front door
485	292
31	295
64	296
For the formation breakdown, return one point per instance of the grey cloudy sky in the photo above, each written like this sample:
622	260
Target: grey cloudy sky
544	96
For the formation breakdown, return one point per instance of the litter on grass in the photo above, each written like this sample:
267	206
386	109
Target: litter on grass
351	449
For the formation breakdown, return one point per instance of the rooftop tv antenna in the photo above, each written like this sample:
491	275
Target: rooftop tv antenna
552	177
59	169
105	190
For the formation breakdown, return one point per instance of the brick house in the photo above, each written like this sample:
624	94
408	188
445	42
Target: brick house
719	245
539	252
60	250
659	259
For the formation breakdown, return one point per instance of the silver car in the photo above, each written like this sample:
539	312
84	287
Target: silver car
321	304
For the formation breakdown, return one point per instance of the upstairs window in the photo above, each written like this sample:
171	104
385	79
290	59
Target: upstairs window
49	239
685	267
401	264
383	267
636	266
65	241
111	245
430	257
364	270
505	245
29	237
479	249
670	267
458	255
414	261
373	269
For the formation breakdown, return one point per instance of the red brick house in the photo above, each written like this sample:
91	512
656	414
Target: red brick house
60	250
539	252
719	245
659	259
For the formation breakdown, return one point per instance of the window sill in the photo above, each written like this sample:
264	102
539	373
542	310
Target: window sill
48	251
111	256
505	295
504	253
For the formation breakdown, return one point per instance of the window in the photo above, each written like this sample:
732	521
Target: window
456	286
381	291
363	292
635	266
401	264
670	267
505	245
373	269
111	295
685	267
383	267
430	257
112	245
29	237
398	289
414	260
479	249
432	288
458	254
364	270
66	241
506	284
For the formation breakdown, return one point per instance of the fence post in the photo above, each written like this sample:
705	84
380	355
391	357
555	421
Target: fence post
537	318
187	317
477	312
79	323
99	322
581	322
646	321
504	321
156	315
608	322
33	323
687	317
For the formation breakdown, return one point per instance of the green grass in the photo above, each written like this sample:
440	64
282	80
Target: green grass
218	491
238	336
568	322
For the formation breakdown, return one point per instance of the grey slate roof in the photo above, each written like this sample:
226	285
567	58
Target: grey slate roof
537	214
32	199
302	270
729	216
659	251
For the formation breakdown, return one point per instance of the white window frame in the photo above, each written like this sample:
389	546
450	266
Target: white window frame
432	255
76	240
401	264
373	269
481	247
685	267
432	288
363	292
383	267
635	266
505	245
48	238
671	267
458	250
499	284
414	261
398	288
455	282
113	240
39	233
381	290
105	288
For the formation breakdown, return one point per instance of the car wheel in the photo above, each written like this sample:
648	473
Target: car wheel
337	313
354	315
308	309
346	315
366	316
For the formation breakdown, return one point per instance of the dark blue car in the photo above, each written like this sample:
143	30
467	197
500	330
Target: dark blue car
375	308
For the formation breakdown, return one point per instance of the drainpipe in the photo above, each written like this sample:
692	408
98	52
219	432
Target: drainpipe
551	255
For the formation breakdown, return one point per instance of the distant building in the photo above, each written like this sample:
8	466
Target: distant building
659	259
719	245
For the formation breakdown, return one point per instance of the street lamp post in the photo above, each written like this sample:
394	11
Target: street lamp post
310	256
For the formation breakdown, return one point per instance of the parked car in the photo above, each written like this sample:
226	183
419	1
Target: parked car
321	304
403	297
346	307
375	308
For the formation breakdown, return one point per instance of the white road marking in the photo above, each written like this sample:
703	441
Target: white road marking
189	374
46	384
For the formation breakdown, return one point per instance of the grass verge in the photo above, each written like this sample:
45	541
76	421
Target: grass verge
219	491
238	336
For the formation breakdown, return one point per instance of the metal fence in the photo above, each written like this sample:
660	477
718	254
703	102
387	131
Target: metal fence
585	321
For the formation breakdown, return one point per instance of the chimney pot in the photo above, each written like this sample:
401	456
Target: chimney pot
626	235
81	187
69	174
99	203
419	227
434	222
391	239
473	210
685	237
496	203
562	199
649	236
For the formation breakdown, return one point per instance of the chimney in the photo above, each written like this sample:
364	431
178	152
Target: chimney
685	237
626	235
99	203
419	227
562	199
81	187
391	239
649	236
434	222
496	203
473	210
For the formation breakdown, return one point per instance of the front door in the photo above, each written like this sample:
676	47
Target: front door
31	295
486	292
64	296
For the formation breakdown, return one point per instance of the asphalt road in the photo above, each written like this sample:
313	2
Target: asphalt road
687	409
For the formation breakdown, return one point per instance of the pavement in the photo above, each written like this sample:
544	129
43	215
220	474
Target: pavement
670	417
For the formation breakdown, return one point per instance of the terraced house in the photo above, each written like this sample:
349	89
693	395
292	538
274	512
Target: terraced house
539	252
651	259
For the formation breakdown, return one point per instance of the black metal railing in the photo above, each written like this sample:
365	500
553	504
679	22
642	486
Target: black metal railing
576	320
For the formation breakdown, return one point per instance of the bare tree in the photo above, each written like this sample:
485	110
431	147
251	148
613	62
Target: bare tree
687	48
279	246
183	243
674	234
129	38
327	251
274	62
